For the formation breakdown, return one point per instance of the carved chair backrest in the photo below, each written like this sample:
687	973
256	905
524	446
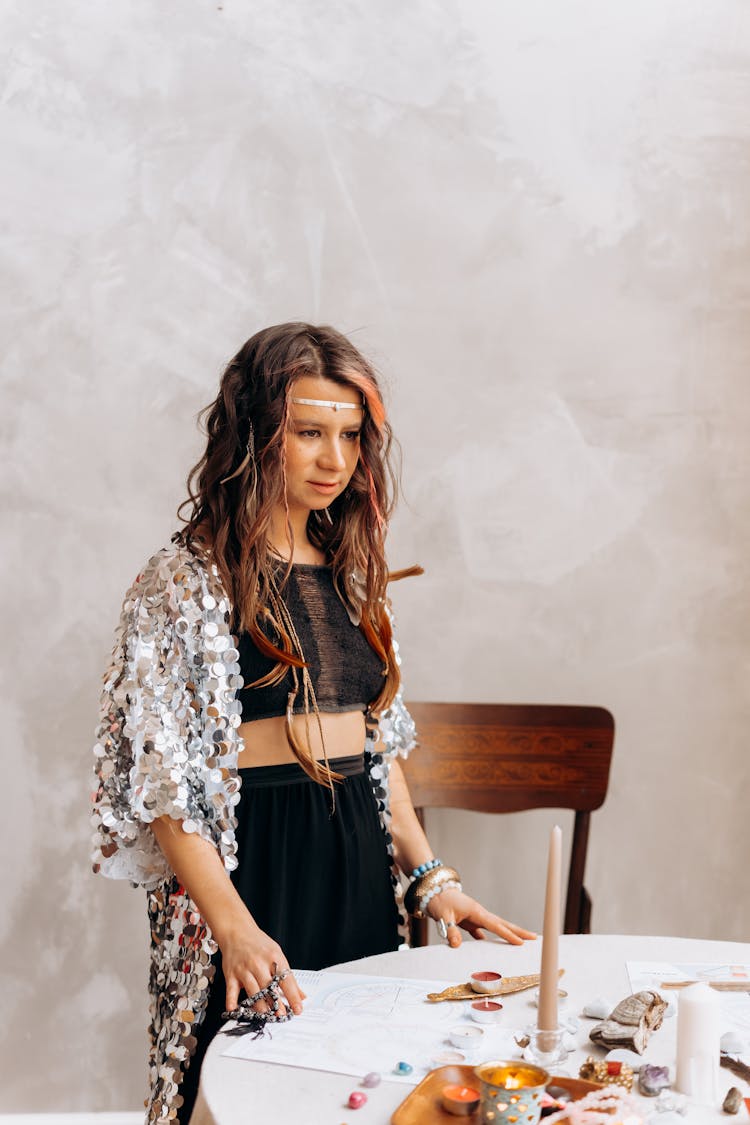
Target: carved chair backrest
499	757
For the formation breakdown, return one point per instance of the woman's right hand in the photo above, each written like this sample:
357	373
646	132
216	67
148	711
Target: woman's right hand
248	954
250	958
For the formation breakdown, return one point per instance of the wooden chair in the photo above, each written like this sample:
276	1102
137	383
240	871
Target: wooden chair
500	758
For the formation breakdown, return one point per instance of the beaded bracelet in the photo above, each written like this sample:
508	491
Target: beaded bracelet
420	887
423	868
451	885
431	885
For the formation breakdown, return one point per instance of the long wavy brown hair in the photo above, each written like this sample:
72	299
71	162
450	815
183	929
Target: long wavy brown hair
231	498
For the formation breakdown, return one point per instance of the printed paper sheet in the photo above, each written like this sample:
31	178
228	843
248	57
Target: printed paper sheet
353	1024
735	1006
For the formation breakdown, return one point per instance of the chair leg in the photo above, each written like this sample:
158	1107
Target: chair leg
576	916
585	921
418	932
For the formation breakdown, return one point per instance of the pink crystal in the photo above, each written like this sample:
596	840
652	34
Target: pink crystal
356	1099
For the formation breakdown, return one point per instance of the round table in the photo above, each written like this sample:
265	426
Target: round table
235	1091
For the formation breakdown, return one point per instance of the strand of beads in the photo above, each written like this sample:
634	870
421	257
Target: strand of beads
423	868
451	884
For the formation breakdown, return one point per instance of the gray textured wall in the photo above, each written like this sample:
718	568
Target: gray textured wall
535	218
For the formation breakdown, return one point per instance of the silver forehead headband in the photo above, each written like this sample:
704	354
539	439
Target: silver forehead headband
328	402
250	451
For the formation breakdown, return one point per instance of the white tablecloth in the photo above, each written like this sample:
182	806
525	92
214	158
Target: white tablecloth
238	1092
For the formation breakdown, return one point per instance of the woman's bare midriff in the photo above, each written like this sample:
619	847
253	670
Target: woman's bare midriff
265	741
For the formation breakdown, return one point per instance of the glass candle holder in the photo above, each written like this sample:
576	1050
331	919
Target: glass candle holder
510	1092
546	1048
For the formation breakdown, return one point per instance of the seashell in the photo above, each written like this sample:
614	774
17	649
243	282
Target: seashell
732	1043
631	1022
623	1055
732	1101
652	1079
596	1009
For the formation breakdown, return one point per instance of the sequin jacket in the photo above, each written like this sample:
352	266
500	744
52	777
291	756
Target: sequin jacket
167	744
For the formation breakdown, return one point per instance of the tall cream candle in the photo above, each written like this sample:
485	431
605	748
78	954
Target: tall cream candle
548	984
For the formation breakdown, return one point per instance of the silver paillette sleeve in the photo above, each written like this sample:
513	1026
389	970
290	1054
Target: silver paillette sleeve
397	733
167	741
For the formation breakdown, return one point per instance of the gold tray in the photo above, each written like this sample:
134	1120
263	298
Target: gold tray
423	1106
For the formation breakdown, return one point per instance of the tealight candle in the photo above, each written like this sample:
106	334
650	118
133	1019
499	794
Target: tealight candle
486	1011
466	1037
485	982
461	1101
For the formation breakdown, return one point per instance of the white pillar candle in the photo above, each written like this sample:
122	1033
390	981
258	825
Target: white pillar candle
548	984
698	1039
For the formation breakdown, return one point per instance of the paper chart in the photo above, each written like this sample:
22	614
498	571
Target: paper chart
735	1006
353	1024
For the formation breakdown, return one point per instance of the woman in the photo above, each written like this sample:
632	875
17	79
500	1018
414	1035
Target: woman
247	755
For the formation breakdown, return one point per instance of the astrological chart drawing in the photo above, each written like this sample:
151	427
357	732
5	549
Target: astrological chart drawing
354	1024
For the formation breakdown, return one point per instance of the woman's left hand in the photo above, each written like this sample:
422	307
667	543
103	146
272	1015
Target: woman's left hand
458	910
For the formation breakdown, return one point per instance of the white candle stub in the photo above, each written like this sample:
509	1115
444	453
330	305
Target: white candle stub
698	1038
467	1037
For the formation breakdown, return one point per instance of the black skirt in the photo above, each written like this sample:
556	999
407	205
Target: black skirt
317	881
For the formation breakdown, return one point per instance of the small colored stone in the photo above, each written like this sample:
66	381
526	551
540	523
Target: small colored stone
403	1068
371	1079
356	1099
597	1009
732	1043
671	1102
732	1101
652	1079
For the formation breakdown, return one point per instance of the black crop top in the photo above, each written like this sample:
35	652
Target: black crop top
346	674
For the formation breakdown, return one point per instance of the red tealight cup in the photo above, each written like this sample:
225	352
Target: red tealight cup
485	982
486	1011
461	1101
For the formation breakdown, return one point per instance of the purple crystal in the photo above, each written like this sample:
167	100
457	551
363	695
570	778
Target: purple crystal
371	1079
652	1079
